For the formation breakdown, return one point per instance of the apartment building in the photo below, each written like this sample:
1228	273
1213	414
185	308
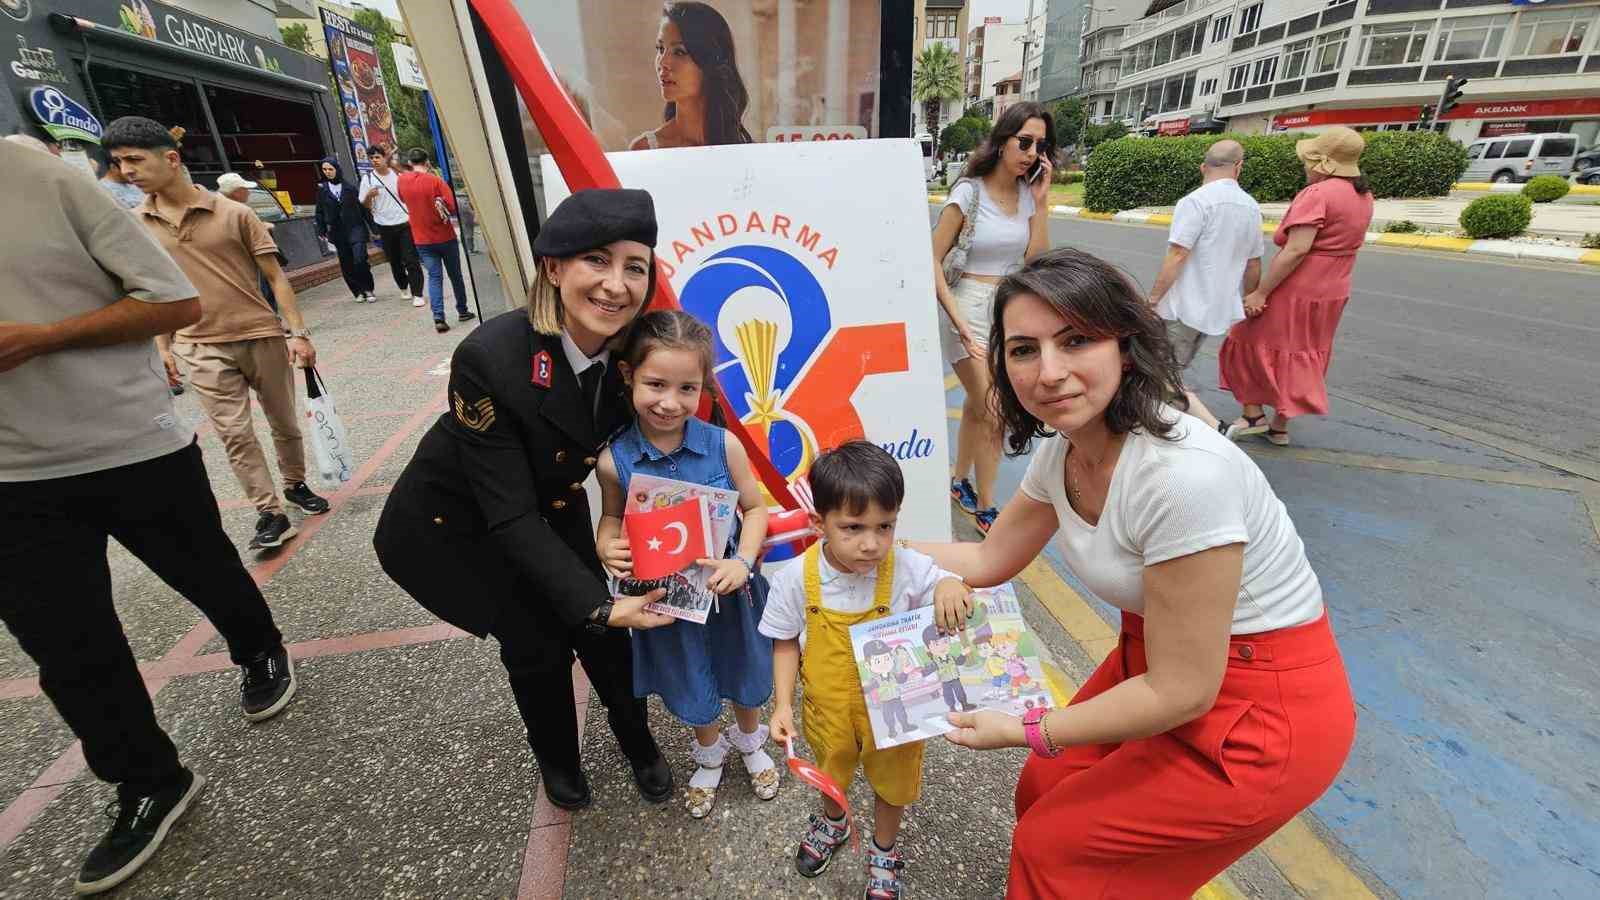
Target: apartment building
1033	48
941	22
1100	58
1261	65
994	51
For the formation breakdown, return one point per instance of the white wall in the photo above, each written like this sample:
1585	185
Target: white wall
259	17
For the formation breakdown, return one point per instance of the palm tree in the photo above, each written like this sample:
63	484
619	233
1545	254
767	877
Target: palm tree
936	78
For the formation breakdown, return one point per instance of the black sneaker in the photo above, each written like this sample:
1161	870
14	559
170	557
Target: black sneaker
467	316
306	499
141	824
268	685
441	326
822	839
272	530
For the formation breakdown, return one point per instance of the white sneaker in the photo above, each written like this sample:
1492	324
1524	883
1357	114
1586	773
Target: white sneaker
371	297
360	298
418	301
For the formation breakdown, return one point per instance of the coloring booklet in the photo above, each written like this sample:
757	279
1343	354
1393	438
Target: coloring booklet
912	676
688	597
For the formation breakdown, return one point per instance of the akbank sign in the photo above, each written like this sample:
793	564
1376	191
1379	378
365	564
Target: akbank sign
64	118
813	266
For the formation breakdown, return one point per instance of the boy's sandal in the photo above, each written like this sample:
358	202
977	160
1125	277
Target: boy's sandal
891	863
764	772
701	795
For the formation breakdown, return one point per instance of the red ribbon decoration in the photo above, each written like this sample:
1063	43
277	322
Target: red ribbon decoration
584	165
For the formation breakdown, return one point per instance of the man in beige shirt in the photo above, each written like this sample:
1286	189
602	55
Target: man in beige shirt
238	344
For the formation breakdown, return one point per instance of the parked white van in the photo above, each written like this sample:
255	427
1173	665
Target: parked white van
1519	157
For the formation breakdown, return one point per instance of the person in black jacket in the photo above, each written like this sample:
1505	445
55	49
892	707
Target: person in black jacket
342	222
489	528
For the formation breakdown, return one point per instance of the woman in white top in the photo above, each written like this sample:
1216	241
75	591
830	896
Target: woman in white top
1006	185
699	79
1224	710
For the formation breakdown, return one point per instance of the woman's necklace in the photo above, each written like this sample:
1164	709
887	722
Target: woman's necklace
1074	493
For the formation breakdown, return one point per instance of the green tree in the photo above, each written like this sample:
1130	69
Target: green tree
959	136
1095	135
405	106
935	79
296	36
1070	116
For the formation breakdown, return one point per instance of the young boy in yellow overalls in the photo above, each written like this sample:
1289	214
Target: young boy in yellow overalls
855	574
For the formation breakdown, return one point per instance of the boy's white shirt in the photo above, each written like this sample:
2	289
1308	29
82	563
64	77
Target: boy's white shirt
915	576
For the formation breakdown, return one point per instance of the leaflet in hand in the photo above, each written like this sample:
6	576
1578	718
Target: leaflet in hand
912	676
689	596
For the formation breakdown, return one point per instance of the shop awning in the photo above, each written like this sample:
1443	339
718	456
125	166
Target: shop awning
116	37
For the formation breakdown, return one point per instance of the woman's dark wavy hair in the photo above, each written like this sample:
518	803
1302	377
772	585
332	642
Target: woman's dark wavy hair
710	43
987	156
1099	301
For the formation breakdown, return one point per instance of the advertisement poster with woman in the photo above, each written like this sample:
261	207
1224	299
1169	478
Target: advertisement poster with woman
692	74
357	72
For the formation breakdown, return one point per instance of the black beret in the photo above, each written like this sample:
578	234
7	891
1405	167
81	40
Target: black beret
595	218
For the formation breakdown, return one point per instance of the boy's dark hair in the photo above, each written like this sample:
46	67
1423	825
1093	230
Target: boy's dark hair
932	633
853	476
139	133
417	157
875	648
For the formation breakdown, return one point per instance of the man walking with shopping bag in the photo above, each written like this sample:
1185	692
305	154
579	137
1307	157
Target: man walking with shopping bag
238	344
91	448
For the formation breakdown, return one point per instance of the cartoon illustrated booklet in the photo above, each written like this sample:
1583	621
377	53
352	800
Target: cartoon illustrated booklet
688	596
912	676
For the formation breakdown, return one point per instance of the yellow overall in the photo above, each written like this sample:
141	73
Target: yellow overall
835	714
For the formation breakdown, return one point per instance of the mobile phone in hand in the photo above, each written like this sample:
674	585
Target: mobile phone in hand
1036	171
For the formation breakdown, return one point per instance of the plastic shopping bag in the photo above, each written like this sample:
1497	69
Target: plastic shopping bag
324	431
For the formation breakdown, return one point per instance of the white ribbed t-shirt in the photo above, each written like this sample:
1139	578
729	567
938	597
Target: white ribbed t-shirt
1173	498
999	241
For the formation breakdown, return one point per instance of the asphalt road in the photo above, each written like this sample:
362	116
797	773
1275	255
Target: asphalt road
1509	353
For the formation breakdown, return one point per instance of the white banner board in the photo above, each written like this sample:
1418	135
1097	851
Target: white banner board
813	265
406	67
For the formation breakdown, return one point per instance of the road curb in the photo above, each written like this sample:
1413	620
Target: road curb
1434	242
1514	188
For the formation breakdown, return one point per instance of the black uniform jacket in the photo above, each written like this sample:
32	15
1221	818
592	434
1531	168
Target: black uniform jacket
503	470
341	219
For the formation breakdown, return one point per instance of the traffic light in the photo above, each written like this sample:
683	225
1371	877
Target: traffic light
1426	116
1453	89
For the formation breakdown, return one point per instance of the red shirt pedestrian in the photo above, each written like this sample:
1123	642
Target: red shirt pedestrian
419	191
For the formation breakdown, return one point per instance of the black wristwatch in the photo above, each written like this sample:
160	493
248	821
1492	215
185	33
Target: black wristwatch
600	619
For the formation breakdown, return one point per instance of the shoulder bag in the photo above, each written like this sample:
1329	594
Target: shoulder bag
955	261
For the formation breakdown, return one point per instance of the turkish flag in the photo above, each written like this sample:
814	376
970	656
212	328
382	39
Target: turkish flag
670	539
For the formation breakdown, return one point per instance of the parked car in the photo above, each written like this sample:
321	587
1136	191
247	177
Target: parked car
1519	157
1590	175
1587	159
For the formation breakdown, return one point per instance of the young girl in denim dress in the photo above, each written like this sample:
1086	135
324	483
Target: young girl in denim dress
693	668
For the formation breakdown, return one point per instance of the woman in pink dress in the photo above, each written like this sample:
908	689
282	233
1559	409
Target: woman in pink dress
1278	356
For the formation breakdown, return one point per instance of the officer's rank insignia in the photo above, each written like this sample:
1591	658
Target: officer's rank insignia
543	368
476	416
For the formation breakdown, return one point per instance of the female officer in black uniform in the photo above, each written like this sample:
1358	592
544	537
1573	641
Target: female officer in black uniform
489	527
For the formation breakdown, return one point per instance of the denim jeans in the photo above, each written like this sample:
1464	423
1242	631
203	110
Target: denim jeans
448	254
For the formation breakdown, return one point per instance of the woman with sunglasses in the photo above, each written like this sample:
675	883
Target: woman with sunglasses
1005	189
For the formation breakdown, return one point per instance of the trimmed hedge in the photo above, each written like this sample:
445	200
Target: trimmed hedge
1497	216
1133	172
1545	188
1411	163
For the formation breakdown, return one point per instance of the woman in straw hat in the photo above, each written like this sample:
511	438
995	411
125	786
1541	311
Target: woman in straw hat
1278	356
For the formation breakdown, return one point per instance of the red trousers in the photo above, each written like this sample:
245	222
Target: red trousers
1159	817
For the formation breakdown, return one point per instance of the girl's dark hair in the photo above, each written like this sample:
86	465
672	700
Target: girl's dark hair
987	156
709	41
1359	183
674	329
1099	301
853	476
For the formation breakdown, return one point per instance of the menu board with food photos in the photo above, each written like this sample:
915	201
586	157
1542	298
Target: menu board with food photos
353	54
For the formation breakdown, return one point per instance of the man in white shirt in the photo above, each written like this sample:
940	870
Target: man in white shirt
380	194
1213	257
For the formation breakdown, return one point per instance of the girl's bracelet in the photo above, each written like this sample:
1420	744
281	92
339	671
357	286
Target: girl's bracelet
748	567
